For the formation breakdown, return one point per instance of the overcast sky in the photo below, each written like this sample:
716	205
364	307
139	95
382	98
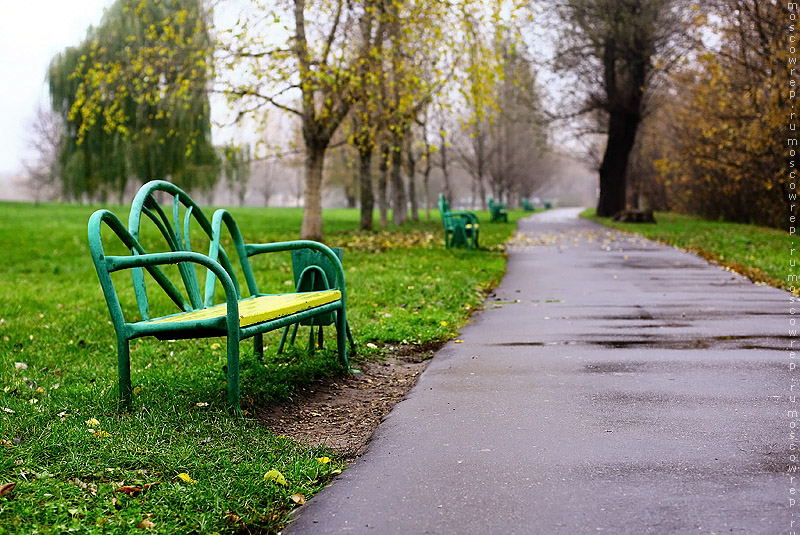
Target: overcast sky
31	33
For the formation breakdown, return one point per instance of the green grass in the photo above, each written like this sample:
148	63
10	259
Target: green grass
70	447
760	253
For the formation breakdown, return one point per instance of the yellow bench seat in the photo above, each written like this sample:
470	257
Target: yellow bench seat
262	308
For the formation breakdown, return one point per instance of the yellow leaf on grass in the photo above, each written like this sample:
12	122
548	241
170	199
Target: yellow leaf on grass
183	476
215	346
137	389
92	422
276	476
102	434
443	323
323	460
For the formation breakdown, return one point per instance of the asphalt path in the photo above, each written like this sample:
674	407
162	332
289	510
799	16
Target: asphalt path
611	385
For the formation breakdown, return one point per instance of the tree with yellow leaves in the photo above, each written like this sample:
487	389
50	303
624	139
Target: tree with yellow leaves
727	155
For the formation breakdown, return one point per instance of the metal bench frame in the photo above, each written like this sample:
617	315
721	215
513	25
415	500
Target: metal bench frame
219	268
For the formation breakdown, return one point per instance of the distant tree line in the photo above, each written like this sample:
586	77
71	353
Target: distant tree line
685	97
385	78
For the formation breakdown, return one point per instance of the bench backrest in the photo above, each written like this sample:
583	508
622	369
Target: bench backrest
178	218
444	209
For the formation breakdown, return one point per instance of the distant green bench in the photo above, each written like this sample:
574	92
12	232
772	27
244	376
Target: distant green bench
526	205
498	211
194	314
461	228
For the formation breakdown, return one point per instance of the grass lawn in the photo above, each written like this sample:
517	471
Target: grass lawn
176	460
760	253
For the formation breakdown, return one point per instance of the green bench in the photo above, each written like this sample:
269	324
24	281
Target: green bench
313	272
194	313
526	205
498	211
461	228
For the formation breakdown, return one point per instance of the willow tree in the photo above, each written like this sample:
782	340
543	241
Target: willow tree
134	99
612	47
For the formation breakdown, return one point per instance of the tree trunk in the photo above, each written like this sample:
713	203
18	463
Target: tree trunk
412	183
622	127
445	172
383	204
365	187
399	200
312	211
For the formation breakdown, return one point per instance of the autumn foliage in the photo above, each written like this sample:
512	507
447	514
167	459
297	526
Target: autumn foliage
718	138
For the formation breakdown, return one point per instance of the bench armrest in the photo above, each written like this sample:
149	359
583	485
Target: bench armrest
246	250
116	263
469	216
106	265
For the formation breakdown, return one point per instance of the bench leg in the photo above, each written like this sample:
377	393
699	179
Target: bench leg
341	338
350	337
258	346
233	372
311	347
124	369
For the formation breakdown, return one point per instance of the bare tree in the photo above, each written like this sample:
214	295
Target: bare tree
47	131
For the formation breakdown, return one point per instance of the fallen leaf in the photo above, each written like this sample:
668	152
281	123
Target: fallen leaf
145	524
20	366
183	476
323	460
137	389
92	422
276	476
299	499
231	518
202	404
443	323
135	491
458	341
215	346
102	434
6	409
6	489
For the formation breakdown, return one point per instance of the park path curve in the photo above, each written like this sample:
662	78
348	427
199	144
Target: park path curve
612	385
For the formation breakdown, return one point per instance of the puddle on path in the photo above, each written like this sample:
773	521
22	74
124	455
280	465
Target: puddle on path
651	341
758	342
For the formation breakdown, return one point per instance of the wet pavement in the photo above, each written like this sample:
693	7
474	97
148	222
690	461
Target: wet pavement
612	385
